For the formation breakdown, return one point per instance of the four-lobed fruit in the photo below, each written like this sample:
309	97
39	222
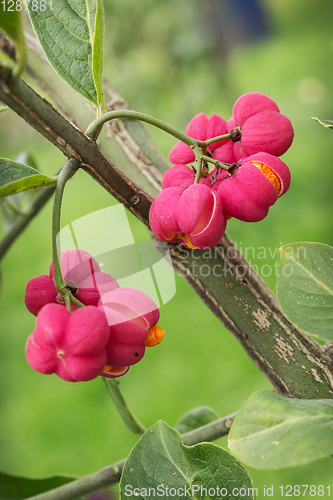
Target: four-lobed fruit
81	274
131	314
256	185
193	216
89	341
72	345
263	128
201	127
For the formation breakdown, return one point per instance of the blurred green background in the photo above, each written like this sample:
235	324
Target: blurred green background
172	60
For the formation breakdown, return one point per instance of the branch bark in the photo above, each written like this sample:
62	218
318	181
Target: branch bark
292	361
42	116
125	142
112	473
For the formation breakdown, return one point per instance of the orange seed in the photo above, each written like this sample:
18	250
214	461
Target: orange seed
269	173
155	336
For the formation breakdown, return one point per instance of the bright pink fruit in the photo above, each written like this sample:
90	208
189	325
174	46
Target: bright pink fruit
226	152
256	185
231	123
239	152
281	179
72	345
193	216
262	125
156	226
201	128
83	276
200	216
216	126
250	104
39	291
182	176
166	208
268	131
131	314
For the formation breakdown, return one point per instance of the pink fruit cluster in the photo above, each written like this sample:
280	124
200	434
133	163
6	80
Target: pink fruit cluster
196	214
104	338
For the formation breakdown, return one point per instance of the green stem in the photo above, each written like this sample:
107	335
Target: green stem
111	474
209	432
95	127
134	425
218	138
217	163
198	173
66	173
86	484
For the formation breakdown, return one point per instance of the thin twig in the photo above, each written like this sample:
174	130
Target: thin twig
111	474
23	220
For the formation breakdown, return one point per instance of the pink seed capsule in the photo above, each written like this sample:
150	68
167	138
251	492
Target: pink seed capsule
193	216
82	275
269	132
263	127
200	216
201	127
132	316
71	345
250	104
256	185
182	176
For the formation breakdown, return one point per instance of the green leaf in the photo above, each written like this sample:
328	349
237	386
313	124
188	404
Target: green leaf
17	488
324	123
11	23
3	107
273	432
197	417
14	205
71	34
160	461
305	287
16	177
